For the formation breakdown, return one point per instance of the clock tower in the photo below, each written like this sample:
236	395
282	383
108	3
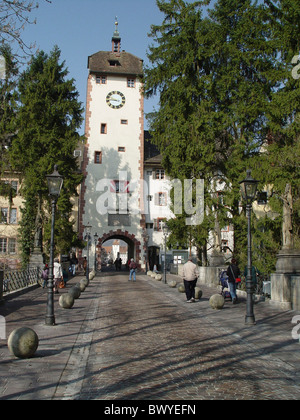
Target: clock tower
113	156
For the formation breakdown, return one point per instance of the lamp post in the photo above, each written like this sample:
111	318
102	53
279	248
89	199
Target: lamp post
88	238
165	232
95	240
55	182
146	239
248	191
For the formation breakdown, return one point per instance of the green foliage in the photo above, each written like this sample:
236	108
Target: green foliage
48	118
225	86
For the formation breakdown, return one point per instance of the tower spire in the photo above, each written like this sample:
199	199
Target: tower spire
116	39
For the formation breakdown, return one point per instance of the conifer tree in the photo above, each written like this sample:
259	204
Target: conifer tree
48	118
213	76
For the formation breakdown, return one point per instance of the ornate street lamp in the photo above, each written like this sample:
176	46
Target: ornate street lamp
55	182
96	241
248	191
165	233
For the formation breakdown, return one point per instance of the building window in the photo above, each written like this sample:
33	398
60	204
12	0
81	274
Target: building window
131	83
3	245
119	186
98	157
101	80
159	174
12	245
114	63
103	128
161	199
124	122
4	215
121	149
262	198
13	217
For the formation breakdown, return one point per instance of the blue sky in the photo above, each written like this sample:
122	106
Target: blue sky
83	27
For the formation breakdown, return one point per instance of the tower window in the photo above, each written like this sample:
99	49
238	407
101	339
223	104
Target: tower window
131	83
103	128
98	157
114	63
101	80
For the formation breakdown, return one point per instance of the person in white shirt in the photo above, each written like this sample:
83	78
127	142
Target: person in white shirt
190	277
57	274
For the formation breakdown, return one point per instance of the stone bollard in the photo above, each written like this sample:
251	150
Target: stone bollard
149	273
75	292
92	275
66	301
85	282
198	293
158	277
181	288
172	283
81	286
23	342
217	302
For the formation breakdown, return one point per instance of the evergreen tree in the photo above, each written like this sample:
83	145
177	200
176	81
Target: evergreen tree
213	76
280	158
8	109
48	118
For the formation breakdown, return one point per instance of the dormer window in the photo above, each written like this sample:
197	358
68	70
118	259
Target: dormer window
114	63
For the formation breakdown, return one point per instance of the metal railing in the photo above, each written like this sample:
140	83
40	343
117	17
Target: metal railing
21	279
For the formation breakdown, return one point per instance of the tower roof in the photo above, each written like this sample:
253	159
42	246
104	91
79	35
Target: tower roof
106	62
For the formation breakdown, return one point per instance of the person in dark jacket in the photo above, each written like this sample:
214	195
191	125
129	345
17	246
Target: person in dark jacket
233	272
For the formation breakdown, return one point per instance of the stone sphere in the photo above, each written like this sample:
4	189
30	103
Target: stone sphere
217	302
149	273
153	275
92	275
75	292
66	301
198	293
181	288
85	282
172	283
81	286
23	342
158	277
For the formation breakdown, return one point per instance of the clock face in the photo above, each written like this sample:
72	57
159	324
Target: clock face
115	100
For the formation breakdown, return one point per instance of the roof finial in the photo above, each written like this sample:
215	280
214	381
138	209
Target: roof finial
116	33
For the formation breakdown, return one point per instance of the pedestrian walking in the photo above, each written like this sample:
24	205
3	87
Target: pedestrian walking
233	272
132	267
45	275
190	277
57	274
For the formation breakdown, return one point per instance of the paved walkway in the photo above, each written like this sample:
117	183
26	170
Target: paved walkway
141	341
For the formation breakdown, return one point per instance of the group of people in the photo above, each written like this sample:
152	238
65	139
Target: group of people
191	274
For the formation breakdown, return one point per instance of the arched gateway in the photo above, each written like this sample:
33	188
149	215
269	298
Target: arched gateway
134	246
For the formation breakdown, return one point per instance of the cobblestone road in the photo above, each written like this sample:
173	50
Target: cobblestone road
149	344
141	341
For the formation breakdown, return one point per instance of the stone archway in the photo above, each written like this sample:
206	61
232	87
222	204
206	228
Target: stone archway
134	246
